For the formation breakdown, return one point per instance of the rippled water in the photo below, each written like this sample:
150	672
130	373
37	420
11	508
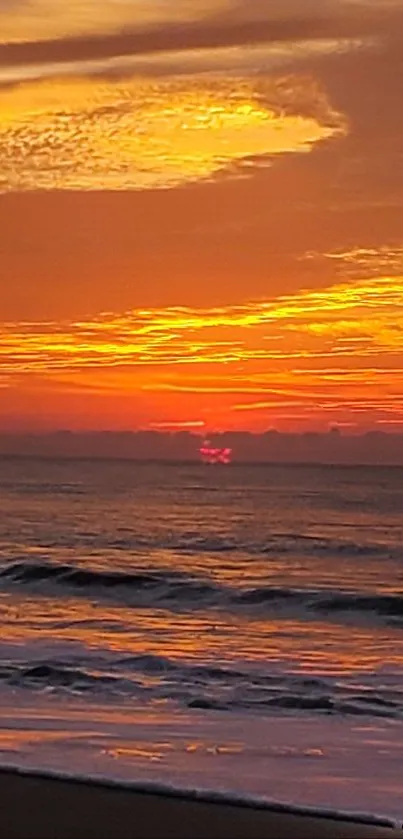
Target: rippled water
183	594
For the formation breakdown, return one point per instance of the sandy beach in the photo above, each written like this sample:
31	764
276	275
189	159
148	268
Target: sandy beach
41	807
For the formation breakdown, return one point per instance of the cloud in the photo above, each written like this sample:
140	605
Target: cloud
360	262
143	134
177	425
314	357
240	24
357	320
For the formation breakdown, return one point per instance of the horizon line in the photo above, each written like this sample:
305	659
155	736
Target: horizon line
334	431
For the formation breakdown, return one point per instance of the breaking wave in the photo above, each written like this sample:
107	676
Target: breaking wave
176	590
201	686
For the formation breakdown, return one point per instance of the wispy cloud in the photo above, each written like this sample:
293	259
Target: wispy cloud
323	352
354	320
361	262
332	355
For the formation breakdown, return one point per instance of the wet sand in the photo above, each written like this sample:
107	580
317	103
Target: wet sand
34	806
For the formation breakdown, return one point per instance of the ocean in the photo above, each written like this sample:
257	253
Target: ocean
230	628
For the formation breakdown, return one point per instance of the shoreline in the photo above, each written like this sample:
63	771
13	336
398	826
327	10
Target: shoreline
45	805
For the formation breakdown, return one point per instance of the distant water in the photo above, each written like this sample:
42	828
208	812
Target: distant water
235	627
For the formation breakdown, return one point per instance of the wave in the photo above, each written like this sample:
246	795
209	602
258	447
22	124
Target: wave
149	587
286	702
201	687
176	590
326	601
308	545
44	488
194	544
54	676
277	543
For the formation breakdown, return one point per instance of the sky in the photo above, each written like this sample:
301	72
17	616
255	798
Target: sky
200	215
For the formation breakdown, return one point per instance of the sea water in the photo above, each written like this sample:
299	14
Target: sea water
232	628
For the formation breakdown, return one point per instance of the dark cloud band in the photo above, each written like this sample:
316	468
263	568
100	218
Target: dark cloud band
348	21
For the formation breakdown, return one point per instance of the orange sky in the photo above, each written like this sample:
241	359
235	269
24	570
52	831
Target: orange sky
193	232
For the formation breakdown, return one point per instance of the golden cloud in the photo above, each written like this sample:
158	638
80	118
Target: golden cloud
93	134
354	321
332	354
